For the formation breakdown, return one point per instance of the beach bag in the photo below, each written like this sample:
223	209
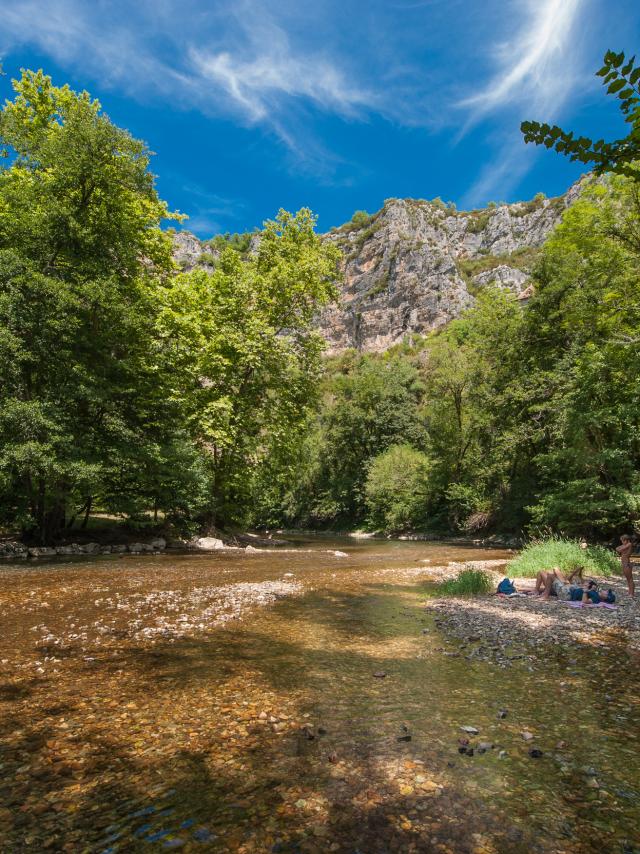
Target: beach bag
507	587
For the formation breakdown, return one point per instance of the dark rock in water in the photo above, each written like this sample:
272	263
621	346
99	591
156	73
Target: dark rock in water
404	738
469	751
306	732
462	750
321	731
380	674
502	714
534	753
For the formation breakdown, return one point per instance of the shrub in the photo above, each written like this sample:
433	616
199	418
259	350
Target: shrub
468	582
550	552
477	222
396	489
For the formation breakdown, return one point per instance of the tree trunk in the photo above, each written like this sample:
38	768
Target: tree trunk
85	521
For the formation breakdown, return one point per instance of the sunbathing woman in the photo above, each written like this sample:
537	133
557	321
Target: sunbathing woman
555	581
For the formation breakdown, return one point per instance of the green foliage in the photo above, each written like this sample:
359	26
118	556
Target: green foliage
468	582
247	359
240	243
478	220
622	78
529	416
369	403
122	385
551	552
360	219
82	259
521	259
397	489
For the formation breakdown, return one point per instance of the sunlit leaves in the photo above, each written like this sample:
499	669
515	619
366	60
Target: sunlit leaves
617	156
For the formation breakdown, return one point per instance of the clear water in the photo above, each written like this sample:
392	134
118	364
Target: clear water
198	737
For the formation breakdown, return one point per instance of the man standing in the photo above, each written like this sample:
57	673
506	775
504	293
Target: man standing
624	550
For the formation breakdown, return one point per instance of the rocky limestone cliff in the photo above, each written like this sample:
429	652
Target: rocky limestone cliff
415	265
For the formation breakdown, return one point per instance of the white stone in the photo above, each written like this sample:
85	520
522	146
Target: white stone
209	544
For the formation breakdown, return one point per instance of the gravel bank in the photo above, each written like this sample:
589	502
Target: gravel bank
525	628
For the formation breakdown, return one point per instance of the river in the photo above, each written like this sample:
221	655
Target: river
295	700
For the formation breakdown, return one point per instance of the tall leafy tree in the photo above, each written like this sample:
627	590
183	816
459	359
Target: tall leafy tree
81	260
245	356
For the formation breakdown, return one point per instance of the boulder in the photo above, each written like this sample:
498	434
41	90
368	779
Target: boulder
11	548
208	544
118	550
90	549
159	543
136	548
42	551
65	550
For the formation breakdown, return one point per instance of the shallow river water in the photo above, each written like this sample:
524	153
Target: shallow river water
148	703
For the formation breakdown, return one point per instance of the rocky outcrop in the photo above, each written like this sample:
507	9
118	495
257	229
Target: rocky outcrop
415	265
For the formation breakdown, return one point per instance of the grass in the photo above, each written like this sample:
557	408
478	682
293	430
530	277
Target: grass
550	552
468	582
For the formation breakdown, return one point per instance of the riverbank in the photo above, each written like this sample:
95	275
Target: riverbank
131	544
527	629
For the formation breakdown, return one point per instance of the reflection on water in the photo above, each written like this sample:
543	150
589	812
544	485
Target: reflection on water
327	720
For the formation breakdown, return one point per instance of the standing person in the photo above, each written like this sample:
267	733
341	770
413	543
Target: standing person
624	550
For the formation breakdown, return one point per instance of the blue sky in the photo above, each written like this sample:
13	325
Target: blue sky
336	104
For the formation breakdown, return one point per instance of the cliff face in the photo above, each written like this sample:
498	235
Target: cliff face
416	265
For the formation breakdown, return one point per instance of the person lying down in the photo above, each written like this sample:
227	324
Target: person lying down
554	582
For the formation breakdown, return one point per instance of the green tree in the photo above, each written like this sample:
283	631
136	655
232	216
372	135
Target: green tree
244	354
397	489
82	259
622	78
581	334
372	403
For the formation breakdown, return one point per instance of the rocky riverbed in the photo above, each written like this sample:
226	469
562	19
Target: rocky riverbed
287	702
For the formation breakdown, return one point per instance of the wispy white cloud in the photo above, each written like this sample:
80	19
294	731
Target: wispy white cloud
535	66
536	70
283	67
256	84
245	67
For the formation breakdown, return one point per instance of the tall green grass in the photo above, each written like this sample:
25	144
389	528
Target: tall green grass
550	552
468	582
